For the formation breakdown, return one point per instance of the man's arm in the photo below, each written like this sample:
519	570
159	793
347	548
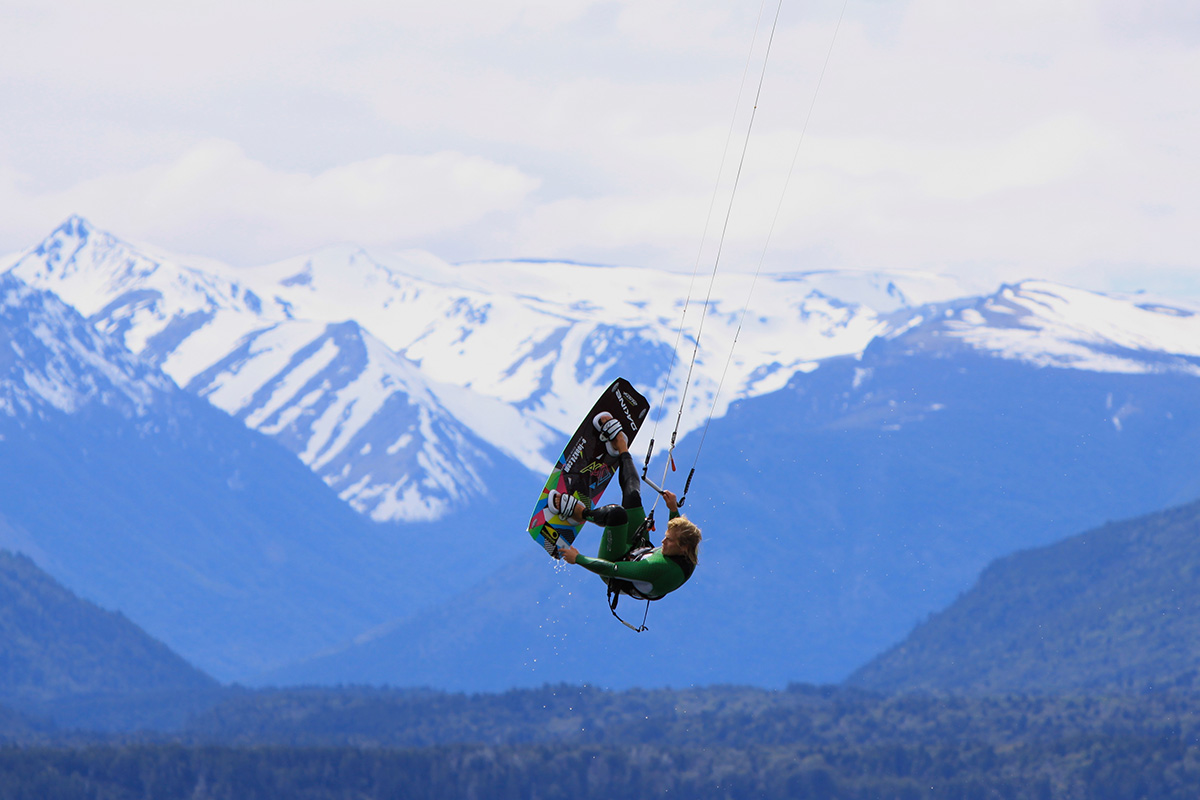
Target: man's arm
570	553
672	503
648	571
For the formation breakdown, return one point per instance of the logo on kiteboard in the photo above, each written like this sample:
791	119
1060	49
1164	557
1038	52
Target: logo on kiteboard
576	452
628	416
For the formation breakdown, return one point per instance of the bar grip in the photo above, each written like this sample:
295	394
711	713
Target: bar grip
687	484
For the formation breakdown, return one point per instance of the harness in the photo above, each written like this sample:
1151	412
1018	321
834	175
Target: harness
619	586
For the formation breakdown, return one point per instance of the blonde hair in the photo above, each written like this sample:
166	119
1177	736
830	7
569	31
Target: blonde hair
688	536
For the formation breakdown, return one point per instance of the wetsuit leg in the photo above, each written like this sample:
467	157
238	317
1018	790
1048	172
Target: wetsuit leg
617	540
607	515
631	485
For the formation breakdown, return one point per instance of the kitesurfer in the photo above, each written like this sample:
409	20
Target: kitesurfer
626	560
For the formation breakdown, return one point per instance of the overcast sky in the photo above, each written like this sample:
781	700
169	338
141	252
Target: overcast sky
993	140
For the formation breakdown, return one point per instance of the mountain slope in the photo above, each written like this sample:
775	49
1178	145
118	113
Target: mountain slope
837	513
358	414
508	350
53	644
213	538
1051	325
892	480
176	316
534	622
323	387
547	337
843	498
1117	607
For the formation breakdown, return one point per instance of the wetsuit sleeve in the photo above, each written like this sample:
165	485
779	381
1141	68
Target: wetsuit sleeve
647	571
652	575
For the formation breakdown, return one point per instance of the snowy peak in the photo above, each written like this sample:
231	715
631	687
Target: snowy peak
1049	324
88	267
380	370
340	283
152	303
546	336
300	368
50	357
359	415
346	267
84	266
883	291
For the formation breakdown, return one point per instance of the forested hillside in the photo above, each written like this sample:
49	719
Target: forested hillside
581	743
1111	609
18	727
52	643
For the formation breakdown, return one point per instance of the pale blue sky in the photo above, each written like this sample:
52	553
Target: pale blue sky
1056	138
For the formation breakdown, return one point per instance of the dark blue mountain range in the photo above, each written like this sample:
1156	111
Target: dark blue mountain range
1111	610
52	644
838	513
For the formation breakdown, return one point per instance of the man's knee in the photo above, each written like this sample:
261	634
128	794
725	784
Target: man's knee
608	515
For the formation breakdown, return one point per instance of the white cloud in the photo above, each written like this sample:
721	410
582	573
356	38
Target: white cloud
1031	137
195	202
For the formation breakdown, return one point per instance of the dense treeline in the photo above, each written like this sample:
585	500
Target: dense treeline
1096	767
582	742
707	717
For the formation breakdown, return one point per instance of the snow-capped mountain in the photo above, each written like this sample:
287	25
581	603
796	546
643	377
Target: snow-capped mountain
887	435
142	497
357	413
51	359
843	508
444	362
381	371
362	416
546	337
1052	325
180	317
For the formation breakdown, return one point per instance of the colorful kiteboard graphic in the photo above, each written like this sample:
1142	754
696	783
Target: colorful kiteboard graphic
585	466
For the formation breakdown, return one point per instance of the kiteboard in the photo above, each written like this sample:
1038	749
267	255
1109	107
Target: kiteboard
585	466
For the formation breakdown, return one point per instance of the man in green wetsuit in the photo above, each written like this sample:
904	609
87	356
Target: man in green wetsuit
645	572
